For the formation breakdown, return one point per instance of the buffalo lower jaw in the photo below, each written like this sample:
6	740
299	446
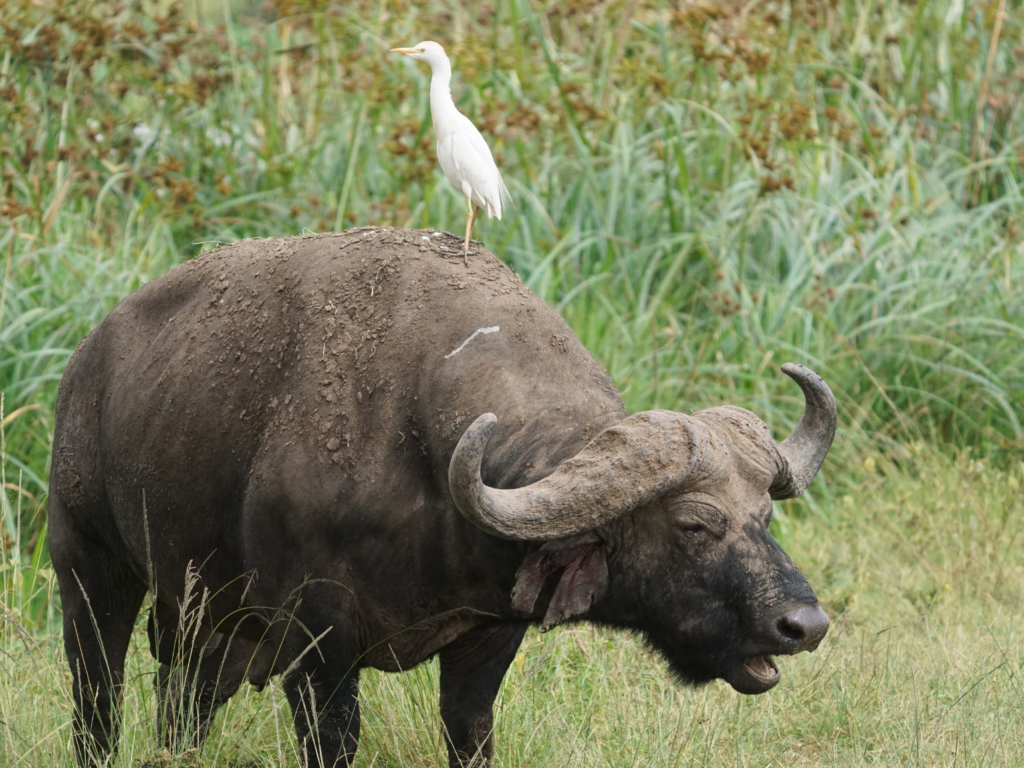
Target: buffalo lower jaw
754	674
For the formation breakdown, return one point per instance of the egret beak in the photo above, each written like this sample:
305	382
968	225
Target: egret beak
405	50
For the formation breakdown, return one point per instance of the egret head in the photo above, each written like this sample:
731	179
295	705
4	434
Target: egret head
427	51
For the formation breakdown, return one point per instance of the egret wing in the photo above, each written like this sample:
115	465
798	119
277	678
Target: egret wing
480	145
474	164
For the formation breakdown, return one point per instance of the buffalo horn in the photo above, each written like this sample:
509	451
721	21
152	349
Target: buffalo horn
805	449
625	466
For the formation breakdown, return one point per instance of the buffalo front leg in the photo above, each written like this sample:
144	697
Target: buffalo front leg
101	597
199	671
324	696
472	669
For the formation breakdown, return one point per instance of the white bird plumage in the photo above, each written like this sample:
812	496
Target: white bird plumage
462	152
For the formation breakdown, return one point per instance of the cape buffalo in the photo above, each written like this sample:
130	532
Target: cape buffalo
360	453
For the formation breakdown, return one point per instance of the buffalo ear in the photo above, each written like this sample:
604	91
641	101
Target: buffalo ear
584	578
584	581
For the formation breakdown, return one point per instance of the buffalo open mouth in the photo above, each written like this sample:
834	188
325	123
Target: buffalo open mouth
755	674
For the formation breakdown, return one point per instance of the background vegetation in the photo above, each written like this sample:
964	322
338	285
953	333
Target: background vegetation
705	191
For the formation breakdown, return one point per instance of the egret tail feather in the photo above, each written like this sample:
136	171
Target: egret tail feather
506	198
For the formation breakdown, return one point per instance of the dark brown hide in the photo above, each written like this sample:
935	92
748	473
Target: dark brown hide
264	435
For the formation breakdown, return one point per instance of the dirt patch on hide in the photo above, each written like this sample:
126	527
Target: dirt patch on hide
325	340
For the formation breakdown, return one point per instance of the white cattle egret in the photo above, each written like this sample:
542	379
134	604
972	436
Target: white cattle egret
464	155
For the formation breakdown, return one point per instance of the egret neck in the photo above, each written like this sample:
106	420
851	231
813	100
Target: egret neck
442	108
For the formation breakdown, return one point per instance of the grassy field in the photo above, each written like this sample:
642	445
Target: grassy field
705	191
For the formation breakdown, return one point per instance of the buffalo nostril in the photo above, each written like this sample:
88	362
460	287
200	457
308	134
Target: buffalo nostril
791	629
804	627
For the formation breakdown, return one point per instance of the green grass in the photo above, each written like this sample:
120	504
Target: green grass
704	194
920	571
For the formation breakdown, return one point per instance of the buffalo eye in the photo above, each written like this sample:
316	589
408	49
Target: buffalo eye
697	520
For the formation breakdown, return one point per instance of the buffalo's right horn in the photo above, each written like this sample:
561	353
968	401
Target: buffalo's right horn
638	460
804	451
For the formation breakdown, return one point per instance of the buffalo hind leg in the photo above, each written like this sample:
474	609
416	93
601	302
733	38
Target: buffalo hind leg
101	597
199	671
323	692
472	669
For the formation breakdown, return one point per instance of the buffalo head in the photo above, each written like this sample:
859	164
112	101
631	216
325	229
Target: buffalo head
660	525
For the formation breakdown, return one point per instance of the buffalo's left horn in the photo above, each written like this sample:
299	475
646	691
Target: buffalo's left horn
804	451
625	466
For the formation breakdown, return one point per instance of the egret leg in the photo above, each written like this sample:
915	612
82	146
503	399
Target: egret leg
470	218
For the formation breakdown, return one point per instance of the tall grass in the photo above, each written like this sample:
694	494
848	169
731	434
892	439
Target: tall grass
703	192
